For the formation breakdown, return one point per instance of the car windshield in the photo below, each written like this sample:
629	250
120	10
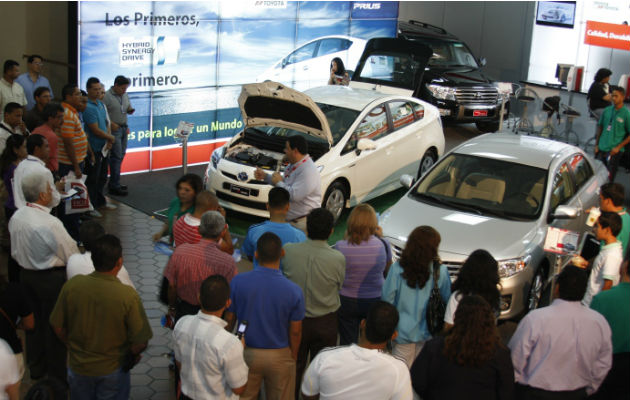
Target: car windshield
398	69
339	120
484	186
450	54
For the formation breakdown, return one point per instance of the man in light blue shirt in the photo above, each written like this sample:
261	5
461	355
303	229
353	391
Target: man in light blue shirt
301	179
33	79
564	347
278	206
100	140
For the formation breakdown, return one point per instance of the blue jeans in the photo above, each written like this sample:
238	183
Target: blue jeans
115	386
96	179
350	314
116	157
71	221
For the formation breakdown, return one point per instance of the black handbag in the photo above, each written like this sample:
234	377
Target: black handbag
436	307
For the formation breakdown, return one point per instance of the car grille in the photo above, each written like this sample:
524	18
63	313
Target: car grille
241	202
453	267
250	181
477	95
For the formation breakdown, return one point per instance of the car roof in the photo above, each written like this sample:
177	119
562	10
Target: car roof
347	97
416	29
523	149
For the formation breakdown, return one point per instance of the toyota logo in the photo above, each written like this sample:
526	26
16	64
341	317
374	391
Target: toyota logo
242	176
477	95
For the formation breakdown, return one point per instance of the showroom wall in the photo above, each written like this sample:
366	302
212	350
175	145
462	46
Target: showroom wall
36	27
553	45
500	31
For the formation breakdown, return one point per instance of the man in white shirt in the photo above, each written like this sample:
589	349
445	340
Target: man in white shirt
605	269
301	179
9	373
564	349
362	371
41	246
10	90
12	124
210	359
38	154
81	264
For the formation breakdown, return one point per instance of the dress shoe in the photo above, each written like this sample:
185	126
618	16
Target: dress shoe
118	191
124	187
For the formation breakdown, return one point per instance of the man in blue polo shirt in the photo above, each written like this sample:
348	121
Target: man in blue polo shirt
100	140
273	307
278	206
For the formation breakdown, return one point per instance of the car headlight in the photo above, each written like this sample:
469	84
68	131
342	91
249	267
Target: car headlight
217	154
384	216
442	92
511	267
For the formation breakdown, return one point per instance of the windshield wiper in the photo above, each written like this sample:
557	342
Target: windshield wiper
501	214
449	203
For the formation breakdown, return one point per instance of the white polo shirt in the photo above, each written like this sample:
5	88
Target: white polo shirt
82	264
211	357
354	372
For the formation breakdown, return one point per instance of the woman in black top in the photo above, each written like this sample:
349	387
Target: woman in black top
470	362
598	96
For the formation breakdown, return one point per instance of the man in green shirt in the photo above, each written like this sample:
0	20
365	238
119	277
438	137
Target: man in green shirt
319	270
103	324
614	305
613	132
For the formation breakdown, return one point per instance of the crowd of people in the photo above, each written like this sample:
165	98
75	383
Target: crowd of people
312	320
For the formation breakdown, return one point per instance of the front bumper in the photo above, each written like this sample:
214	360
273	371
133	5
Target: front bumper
247	196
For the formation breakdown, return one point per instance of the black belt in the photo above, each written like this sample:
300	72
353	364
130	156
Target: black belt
47	270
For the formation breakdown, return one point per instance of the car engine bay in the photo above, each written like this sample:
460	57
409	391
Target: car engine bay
250	155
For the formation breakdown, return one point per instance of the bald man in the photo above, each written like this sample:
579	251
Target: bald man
186	228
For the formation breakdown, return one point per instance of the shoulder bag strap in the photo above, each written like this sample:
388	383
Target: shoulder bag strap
8	319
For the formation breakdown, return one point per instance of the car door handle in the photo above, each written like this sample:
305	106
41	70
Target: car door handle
305	67
351	166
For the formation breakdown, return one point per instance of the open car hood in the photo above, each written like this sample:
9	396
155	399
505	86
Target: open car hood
273	104
414	57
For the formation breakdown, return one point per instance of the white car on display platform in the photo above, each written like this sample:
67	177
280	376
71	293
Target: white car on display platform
361	141
309	65
502	193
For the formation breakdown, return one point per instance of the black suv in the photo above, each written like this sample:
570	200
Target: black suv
451	78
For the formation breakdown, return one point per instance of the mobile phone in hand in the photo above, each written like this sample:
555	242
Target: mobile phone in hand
240	331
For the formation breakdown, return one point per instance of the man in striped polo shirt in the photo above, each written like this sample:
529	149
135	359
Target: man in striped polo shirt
72	152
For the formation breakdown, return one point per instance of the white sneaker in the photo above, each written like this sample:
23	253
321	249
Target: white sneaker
110	206
95	214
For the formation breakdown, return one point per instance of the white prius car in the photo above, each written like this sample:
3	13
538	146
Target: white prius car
362	141
309	65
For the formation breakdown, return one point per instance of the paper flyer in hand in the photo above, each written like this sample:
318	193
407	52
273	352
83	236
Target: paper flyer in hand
561	241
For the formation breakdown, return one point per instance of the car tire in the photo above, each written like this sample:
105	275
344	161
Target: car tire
534	295
335	199
487	126
428	159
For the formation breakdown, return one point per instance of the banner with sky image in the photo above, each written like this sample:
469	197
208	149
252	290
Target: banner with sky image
188	60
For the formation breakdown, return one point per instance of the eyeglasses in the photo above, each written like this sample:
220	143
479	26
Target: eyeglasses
38	63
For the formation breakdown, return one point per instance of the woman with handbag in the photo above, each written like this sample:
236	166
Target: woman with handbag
417	285
470	362
368	258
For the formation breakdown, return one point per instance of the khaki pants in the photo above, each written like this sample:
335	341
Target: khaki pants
275	367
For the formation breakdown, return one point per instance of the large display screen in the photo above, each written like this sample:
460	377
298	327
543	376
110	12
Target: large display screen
187	60
556	13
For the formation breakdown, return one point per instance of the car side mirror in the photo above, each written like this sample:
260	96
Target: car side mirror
285	61
406	181
483	61
565	212
366	144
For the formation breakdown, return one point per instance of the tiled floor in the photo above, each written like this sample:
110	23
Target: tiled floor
151	378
